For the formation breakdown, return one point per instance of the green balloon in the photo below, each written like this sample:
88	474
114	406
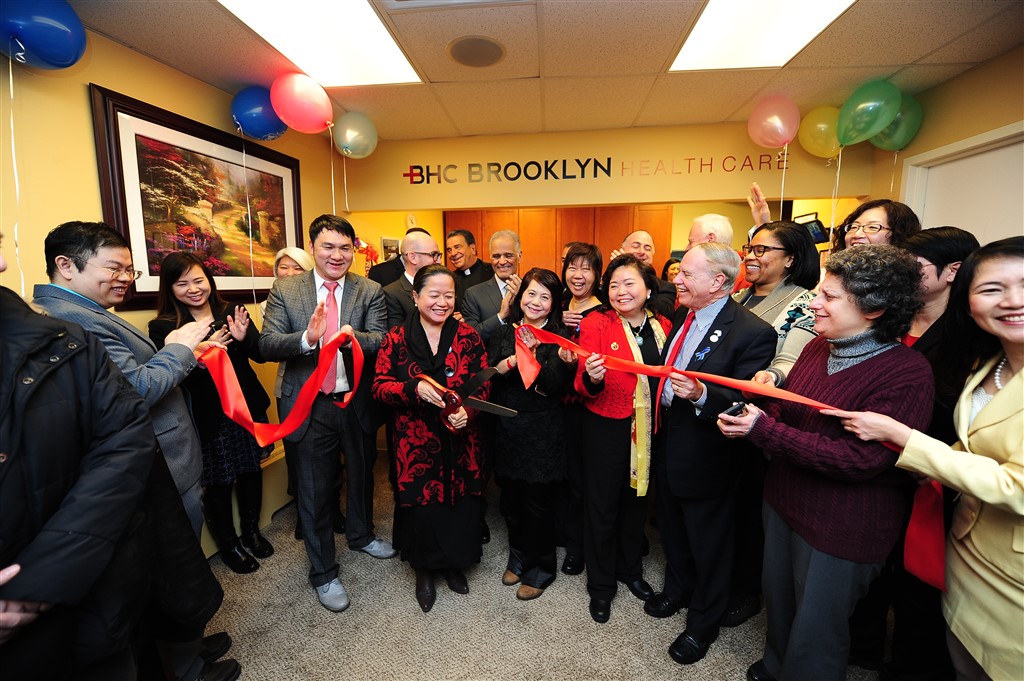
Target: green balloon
903	127
868	111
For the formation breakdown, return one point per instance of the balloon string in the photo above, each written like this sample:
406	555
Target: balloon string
344	174
892	177
784	155
835	193
330	131
14	170
248	213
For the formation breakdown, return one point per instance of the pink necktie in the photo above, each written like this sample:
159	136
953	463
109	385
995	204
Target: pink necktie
331	379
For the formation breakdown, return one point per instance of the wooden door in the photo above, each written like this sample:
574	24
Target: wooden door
611	225
537	233
656	220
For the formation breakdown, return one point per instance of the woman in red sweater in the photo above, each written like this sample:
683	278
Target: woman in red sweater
616	431
834	505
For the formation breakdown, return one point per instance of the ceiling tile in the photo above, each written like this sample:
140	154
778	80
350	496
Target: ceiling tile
425	35
593	103
700	96
408	111
611	37
996	36
493	108
917	78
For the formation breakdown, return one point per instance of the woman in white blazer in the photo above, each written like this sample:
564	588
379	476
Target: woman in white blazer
984	604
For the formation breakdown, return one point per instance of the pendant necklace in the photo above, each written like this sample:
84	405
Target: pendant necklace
636	332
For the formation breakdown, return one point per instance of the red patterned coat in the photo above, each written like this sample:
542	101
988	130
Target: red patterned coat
432	466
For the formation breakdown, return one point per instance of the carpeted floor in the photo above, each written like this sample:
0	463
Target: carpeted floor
282	633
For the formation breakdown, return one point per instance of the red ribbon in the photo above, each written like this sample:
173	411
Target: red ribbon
924	549
233	401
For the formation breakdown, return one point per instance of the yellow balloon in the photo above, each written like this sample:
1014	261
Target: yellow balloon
818	134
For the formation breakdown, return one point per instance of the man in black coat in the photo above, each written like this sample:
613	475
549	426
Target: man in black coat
695	466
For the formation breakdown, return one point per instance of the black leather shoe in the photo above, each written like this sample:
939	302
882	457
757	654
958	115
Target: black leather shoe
600	610
456	581
213	647
742	611
572	565
339	523
224	670
758	672
256	544
687	648
238	559
425	593
660	605
641	589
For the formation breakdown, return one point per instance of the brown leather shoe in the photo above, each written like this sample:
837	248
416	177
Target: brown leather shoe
509	578
525	592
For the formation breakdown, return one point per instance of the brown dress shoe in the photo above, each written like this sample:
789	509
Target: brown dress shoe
525	592
509	578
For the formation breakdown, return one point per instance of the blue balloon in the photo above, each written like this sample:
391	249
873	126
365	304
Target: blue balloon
46	34
254	114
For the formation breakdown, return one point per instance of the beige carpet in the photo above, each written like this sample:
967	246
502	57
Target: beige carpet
281	632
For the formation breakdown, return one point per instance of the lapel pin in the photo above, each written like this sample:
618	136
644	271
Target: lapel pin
615	345
702	354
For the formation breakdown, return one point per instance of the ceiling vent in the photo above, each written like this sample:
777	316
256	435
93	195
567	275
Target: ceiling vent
477	51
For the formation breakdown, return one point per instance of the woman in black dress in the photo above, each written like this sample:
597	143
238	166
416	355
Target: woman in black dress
231	455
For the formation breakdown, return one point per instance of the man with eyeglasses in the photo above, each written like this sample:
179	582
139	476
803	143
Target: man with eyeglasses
90	269
418	250
391	270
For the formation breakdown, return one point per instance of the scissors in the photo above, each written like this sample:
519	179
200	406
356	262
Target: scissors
454	399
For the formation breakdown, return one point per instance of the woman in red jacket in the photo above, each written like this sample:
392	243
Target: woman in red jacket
616	431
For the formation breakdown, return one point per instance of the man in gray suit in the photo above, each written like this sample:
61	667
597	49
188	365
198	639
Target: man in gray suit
90	269
303	312
487	306
419	249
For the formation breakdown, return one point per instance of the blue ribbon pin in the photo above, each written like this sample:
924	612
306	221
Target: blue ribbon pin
700	355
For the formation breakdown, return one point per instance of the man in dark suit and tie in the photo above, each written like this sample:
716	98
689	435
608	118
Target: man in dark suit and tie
419	249
303	312
486	306
696	467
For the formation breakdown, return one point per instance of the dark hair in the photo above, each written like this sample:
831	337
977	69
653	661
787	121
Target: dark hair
173	268
464	233
942	246
420	279
590	254
650	277
79	241
552	283
967	343
901	218
664	268
413	230
881	278
335	223
797	241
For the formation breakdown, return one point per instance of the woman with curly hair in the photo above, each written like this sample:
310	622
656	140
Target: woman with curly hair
834	505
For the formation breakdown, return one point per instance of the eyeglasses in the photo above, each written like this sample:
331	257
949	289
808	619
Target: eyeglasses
760	249
870	228
434	255
117	272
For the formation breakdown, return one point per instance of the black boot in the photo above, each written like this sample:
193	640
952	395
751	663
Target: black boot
217	509
249	488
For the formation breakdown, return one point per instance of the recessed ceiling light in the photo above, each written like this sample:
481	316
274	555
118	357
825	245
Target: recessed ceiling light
749	34
337	44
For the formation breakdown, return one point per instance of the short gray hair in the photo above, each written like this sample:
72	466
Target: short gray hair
505	234
718	225
722	260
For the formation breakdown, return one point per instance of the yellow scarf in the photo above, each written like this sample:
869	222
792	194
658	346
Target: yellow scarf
640	440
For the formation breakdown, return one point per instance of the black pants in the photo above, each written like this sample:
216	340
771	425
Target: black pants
570	501
528	508
614	516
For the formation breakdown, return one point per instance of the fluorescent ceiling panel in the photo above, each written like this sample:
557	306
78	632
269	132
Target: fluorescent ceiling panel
750	34
337	44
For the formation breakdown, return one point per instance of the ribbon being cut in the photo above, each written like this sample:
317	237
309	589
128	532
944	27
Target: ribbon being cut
233	402
924	548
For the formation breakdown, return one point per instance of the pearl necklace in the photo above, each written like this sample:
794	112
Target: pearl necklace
997	378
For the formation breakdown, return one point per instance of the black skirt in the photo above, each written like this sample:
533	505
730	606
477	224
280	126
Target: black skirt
439	536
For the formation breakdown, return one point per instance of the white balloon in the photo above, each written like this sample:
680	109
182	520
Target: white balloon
355	135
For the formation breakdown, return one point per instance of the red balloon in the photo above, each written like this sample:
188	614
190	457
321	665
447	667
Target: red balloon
774	122
301	103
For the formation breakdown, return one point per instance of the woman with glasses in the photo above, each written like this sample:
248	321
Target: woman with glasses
231	455
881	221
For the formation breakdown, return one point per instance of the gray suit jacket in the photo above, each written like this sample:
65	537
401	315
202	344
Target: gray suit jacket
480	308
289	307
156	375
398	295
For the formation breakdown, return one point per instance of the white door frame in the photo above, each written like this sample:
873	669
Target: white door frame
914	185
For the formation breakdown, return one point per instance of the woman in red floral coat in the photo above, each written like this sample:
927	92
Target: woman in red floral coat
437	472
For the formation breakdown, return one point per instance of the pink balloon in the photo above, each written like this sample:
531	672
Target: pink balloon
301	103
774	122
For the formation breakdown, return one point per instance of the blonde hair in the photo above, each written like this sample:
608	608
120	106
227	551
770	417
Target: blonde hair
304	259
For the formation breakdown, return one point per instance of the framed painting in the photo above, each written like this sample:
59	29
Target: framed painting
169	183
389	248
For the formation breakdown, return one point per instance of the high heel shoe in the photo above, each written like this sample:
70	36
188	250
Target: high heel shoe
425	593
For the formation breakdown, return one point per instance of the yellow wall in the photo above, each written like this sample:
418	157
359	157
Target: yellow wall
985	98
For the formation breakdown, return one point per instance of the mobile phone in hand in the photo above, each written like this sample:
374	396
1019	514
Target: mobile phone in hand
736	409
